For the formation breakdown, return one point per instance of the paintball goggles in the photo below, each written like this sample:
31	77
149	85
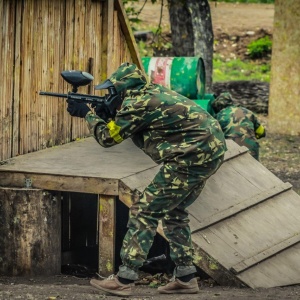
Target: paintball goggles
104	105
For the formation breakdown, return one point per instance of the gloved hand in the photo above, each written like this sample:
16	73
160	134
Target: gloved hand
102	111
77	109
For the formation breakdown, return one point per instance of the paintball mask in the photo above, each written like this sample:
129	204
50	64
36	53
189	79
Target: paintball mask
112	101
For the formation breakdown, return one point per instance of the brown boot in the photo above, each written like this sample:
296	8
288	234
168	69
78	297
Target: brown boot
180	287
113	286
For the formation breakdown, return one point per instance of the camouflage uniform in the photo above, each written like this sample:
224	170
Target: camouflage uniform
189	143
238	123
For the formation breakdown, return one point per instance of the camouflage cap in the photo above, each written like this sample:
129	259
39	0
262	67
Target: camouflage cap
222	101
127	76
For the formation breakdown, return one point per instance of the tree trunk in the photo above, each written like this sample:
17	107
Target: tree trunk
192	33
284	104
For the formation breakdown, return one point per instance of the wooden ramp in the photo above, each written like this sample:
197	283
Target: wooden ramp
245	224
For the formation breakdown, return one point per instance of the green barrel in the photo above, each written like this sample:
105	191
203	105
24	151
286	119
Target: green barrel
205	103
184	75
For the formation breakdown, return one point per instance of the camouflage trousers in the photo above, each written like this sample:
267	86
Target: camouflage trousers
166	198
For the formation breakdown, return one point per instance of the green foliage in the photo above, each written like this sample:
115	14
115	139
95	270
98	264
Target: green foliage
131	12
239	70
145	49
260	48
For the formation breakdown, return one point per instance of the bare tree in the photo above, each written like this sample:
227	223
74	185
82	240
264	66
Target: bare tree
192	32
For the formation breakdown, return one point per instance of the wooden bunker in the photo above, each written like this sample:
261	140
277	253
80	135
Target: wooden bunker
245	223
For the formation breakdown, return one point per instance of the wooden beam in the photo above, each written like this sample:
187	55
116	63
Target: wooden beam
107	233
129	37
263	255
59	182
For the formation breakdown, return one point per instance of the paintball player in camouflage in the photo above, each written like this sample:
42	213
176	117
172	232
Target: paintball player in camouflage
187	142
238	123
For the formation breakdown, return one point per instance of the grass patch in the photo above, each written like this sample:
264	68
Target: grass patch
260	48
236	69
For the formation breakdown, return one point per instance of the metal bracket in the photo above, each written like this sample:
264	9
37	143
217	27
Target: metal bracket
28	182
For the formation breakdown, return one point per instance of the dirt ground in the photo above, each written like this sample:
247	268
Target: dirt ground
64	287
234	25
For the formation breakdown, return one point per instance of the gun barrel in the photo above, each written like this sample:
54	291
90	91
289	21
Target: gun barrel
53	94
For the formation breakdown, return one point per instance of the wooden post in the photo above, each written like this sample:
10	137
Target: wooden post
284	107
29	232
107	231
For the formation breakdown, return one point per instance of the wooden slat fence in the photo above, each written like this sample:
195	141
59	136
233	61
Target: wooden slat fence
41	38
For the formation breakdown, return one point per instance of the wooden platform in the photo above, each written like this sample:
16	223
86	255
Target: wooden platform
245	224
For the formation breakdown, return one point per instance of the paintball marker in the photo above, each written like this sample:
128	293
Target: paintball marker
104	105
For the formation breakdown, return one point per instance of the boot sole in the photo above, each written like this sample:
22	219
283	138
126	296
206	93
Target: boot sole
113	292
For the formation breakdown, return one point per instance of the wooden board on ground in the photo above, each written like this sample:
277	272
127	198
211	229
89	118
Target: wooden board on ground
245	224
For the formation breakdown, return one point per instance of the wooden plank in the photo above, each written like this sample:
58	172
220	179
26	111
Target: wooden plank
30	231
61	111
243	205
252	170
97	25
221	250
259	257
107	233
69	61
104	33
212	266
234	150
79	127
83	158
222	191
126	195
17	76
3	85
116	39
255	230
45	85
281	270
23	125
60	182
34	48
53	103
7	14
111	64
38	41
129	37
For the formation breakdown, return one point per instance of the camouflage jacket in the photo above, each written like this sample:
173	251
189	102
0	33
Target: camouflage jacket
238	123
165	125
